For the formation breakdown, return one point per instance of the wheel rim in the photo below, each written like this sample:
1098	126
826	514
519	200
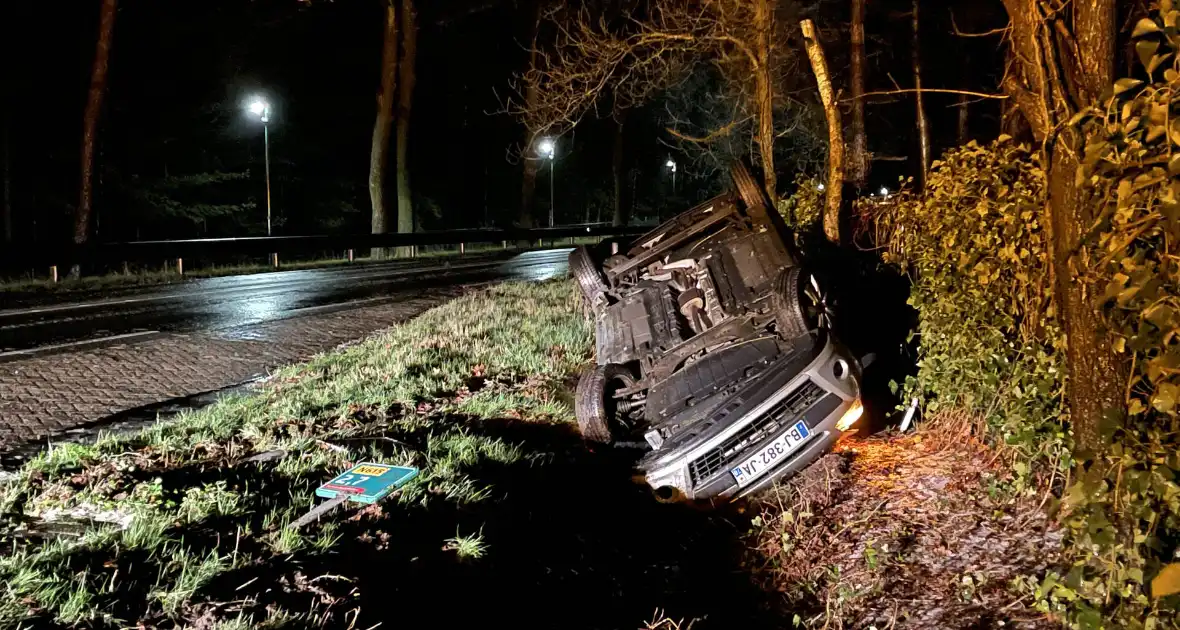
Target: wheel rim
815	302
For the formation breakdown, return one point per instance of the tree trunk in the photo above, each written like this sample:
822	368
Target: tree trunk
964	132
1095	371
532	163
819	65
379	152
858	151
1096	375
6	203
923	126
528	185
764	94
405	205
618	171
98	86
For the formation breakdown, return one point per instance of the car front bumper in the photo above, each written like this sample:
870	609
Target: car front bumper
819	395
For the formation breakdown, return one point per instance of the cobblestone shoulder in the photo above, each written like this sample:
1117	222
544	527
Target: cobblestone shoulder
46	395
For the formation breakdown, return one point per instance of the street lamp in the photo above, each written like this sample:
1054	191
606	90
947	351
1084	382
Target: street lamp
671	164
261	108
884	191
547	147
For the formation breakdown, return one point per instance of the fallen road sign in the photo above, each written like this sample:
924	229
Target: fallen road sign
367	482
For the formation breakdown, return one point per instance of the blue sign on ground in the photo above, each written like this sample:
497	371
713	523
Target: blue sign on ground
367	482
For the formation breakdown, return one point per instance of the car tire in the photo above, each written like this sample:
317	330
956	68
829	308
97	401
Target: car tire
594	401
588	274
795	312
752	194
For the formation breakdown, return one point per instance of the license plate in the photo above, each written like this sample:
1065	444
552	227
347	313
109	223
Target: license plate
770	455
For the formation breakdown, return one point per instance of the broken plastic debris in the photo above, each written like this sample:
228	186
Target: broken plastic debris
909	415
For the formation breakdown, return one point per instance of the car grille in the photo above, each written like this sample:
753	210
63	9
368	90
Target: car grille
783	414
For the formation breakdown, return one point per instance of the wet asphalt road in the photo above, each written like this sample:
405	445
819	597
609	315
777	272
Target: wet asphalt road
240	301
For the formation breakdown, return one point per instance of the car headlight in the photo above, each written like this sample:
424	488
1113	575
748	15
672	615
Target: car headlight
851	416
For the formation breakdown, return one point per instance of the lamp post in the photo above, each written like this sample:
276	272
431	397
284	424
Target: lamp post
671	164
261	108
547	148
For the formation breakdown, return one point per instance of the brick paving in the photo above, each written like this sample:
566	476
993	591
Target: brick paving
46	395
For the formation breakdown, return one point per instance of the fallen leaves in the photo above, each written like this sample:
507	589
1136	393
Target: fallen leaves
904	530
1167	582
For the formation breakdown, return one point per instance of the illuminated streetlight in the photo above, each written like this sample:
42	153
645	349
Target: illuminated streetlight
821	187
671	164
261	109
884	191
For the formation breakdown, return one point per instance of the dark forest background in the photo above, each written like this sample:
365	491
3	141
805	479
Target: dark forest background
178	158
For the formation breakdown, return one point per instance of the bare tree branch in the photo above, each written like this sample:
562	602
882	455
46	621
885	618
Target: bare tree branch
624	60
992	33
712	135
929	91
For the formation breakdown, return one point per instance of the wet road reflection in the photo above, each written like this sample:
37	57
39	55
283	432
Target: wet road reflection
233	302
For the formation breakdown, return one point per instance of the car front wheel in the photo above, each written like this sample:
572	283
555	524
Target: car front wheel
601	416
748	189
799	304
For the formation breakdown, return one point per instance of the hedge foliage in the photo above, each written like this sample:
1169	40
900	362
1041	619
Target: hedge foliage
1125	509
975	244
803	209
977	251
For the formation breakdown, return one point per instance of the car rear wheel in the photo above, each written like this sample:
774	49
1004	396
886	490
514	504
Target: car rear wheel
589	275
748	189
599	415
798	302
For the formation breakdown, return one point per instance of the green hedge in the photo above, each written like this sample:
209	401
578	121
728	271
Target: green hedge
975	245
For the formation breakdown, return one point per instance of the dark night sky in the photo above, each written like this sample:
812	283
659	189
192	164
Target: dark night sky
181	71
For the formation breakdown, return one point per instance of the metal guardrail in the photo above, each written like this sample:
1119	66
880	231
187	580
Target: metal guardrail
113	254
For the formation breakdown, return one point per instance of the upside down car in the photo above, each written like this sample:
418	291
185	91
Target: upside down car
715	351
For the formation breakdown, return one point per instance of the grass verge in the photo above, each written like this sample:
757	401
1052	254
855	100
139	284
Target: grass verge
512	518
512	522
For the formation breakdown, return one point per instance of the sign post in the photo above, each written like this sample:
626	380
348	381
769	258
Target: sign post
367	482
364	483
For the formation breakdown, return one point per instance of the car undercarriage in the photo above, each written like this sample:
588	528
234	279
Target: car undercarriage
714	351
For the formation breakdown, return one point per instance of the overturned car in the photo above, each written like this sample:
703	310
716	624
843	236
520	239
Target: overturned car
714	351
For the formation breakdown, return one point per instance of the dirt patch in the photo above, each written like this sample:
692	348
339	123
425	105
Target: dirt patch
916	531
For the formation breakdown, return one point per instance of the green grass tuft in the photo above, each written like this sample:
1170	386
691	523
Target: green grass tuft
209	500
469	547
187	573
